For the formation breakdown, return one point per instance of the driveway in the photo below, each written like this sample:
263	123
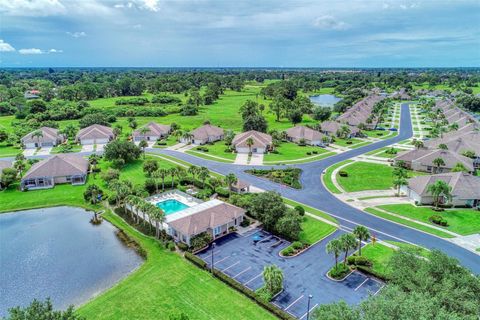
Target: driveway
256	159
100	147
87	148
242	158
44	151
240	259
29	152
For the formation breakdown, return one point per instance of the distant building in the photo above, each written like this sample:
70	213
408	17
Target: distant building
262	142
48	137
95	134
31	94
205	134
298	134
331	128
422	160
240	187
465	188
155	132
60	168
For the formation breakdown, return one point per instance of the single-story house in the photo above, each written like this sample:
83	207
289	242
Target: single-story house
422	160
298	134
205	134
60	168
262	142
331	128
215	217
95	134
240	186
31	94
155	132
465	188
47	137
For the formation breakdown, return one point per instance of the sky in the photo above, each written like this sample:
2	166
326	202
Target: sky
239	33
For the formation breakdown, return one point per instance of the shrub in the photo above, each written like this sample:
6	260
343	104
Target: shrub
161	143
118	163
288	251
170	245
309	153
150	185
349	142
339	272
297	245
196	260
300	210
245	222
436	219
342	173
223	192
182	246
200	240
264	294
315	152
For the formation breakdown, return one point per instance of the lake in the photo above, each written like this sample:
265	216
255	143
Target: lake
325	100
57	253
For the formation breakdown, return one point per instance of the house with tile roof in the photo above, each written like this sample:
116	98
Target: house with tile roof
262	142
43	137
95	134
155	132
60	168
305	134
422	160
205	134
330	128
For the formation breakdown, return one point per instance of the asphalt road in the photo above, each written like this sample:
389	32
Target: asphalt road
316	195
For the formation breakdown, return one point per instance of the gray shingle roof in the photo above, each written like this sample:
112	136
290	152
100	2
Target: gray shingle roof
154	129
206	131
260	139
59	165
302	132
95	131
48	135
464	185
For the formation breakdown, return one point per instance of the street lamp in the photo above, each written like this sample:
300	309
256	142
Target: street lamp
308	306
213	248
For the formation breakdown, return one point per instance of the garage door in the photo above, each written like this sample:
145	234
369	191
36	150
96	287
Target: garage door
88	141
47	144
101	141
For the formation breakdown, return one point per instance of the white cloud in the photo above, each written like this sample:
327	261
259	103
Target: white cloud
30	51
32	8
329	23
55	51
77	34
151	5
5	47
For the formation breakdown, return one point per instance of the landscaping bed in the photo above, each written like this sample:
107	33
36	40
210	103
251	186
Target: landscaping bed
289	177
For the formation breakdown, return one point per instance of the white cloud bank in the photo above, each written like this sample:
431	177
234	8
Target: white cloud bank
34	51
5	47
77	34
32	8
329	23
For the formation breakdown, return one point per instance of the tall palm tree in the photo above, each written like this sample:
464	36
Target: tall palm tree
37	134
418	144
193	170
438	162
400	178
162	174
250	143
143	145
132	200
362	234
172	172
273	278
187	136
181	173
215	183
203	174
348	242
158	217
438	189
334	246
143	131
230	179
177	134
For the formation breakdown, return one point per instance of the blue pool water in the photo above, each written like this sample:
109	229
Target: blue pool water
171	206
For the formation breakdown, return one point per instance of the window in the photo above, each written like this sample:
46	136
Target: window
217	230
69	178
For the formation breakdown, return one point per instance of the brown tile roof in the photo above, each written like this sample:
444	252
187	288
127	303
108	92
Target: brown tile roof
58	166
207	219
95	131
260	139
464	185
240	184
48	135
467	142
302	132
426	157
206	131
154	129
332	127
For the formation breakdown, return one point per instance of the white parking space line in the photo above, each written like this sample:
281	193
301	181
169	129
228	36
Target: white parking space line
241	272
291	304
361	284
231	266
214	252
252	279
309	311
378	290
222	259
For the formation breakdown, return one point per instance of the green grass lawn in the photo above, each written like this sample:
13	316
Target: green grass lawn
368	176
461	221
311	210
292	151
343	142
380	256
327	177
313	230
410	247
170	141
75	148
167	284
218	149
408	223
8	151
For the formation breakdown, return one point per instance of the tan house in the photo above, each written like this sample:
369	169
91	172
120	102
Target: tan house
205	134
307	135
240	186
465	188
47	137
331	128
60	168
155	132
216	218
422	160
95	134
262	142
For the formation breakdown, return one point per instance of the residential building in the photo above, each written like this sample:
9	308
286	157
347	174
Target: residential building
330	128
465	189
240	186
95	134
60	168
155	132
306	135
422	160
4	165
205	134
261	142
47	137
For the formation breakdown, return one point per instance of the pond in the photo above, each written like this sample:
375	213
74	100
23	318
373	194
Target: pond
57	253
325	100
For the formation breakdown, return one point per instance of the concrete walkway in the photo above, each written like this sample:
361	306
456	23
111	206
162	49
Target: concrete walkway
471	242
176	146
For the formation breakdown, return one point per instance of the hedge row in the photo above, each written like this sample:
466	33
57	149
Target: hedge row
239	287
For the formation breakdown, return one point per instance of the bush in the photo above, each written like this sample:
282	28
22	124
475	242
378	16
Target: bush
223	192
200	240
339	272
288	251
182	246
118	163
309	153
359	261
170	245
300	210
349	142
315	152
245	222
342	173
439	220
150	186
264	294
196	260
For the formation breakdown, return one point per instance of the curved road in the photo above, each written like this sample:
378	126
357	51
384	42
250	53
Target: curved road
316	195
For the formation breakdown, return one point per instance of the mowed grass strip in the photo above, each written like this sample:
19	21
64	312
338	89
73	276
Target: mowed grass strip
327	177
311	210
461	221
314	230
167	284
408	223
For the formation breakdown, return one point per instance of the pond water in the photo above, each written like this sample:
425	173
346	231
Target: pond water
325	100
57	253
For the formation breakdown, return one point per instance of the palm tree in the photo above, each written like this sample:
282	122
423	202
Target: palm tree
143	131
177	133
158	217
172	172
418	144
193	170
334	246
215	183
143	144
162	174
438	189
132	200
37	134
20	166
203	174
187	136
400	178
230	179
438	162
181	173
454	126
250	143
273	278
362	234
442	146
348	242
459	167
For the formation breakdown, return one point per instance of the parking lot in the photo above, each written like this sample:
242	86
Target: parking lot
238	257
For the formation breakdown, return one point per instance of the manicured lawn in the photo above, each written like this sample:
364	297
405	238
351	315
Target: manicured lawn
327	177
461	221
8	151
292	151
59	149
408	223
406	246
170	141
343	142
314	230
375	133
167	284
380	256
6	123
218	149
368	176
310	210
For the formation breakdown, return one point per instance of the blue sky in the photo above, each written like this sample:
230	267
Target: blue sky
256	33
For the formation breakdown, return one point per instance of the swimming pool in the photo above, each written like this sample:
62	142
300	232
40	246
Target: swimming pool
171	206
